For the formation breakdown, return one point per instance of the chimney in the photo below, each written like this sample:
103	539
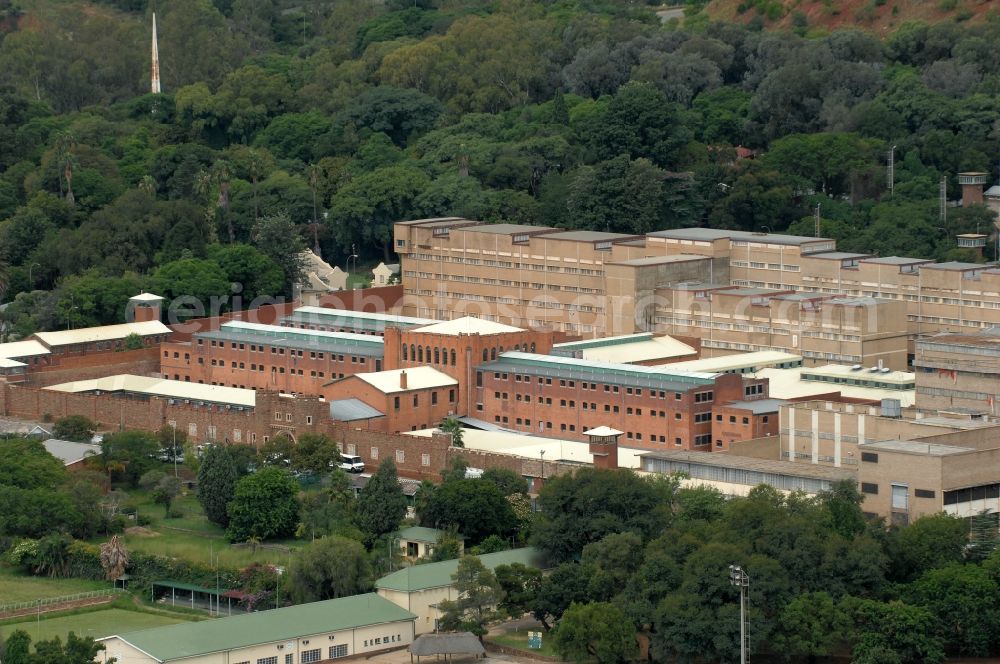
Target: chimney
402	380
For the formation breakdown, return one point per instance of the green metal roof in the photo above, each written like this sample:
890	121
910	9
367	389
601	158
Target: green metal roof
607	372
438	575
190	587
605	342
184	640
421	534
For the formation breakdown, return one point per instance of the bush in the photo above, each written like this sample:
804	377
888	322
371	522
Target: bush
74	427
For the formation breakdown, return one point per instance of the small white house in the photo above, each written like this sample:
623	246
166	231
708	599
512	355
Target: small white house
383	273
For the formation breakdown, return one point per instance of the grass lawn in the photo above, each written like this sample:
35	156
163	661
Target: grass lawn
103	622
15	587
520	640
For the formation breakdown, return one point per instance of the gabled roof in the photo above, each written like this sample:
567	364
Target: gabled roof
417	378
352	410
87	335
163	388
467	325
195	639
422	534
70	452
438	575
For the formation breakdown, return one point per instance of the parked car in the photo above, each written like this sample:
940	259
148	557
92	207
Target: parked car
351	463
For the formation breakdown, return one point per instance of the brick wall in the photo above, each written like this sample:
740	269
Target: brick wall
380	300
141	362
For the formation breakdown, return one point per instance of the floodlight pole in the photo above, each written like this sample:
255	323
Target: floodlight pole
739	578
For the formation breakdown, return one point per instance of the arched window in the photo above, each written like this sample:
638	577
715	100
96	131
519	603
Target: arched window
413	353
493	353
517	347
428	352
532	346
486	354
452	357
437	355
420	353
405	354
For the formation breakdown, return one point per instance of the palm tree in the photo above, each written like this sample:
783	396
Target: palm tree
4	279
147	185
253	542
114	558
256	164
222	173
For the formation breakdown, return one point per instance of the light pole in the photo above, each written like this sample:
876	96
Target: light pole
541	474
739	578
175	448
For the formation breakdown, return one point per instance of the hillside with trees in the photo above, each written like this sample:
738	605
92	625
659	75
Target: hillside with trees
318	124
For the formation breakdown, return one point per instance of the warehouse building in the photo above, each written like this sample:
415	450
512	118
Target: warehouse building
314	632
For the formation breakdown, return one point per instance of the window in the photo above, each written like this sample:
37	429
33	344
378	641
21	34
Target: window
374	454
416	400
869	487
338	651
870	457
268	660
309	656
400	456
289	658
923	493
900	497
395	403
425	459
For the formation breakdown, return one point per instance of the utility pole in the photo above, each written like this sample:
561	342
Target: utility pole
740	579
816	229
155	71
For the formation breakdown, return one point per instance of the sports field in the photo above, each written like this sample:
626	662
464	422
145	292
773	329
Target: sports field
102	622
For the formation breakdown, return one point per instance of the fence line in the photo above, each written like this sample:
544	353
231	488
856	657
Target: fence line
47	601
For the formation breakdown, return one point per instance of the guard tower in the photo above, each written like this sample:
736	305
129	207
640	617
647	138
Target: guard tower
975	241
972	187
604	446
143	307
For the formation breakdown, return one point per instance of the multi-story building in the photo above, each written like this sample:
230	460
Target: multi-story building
959	372
270	357
600	284
408	399
820	328
565	397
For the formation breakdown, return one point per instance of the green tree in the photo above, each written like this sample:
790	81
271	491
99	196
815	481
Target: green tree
927	543
381	505
475	507
598	631
217	480
278	451
257	275
983	536
25	463
17	648
74	427
315	453
455	428
568	583
133	342
277	238
331	511
520	585
812	625
843	506
163	488
329	567
477	596
264	505
959	598
128	455
906	631
189	278
76	650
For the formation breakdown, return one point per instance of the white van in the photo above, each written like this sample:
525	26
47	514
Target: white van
351	463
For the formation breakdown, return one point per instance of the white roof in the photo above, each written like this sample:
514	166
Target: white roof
70	452
603	431
22	349
530	447
417	378
788	384
10	364
468	325
362	315
160	387
641	351
757	359
103	333
146	297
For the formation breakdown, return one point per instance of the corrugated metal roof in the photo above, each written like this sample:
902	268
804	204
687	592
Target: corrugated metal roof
70	452
422	534
626	374
291	337
438	575
352	410
786	468
275	626
464	643
160	387
360	320
755	361
87	335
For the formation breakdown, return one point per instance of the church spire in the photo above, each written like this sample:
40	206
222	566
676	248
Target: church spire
155	78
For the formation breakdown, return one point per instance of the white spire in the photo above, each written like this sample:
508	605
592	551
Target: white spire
155	79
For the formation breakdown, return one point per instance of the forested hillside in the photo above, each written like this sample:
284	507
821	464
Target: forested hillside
285	124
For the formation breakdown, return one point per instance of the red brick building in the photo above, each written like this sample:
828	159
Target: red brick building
408	399
744	420
457	347
564	397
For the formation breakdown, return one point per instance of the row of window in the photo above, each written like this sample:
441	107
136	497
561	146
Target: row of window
611	389
416	399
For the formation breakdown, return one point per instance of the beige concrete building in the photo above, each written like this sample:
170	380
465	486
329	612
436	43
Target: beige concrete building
959	372
600	284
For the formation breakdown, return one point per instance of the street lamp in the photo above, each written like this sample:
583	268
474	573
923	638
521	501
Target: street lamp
740	579
175	448
541	474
